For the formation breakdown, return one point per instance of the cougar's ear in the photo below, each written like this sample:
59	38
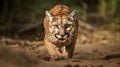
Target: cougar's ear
73	15
49	16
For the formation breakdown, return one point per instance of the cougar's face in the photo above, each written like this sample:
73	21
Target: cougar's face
61	26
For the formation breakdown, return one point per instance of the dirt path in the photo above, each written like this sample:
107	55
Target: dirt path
97	49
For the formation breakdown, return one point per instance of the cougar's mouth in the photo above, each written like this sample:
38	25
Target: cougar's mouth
62	38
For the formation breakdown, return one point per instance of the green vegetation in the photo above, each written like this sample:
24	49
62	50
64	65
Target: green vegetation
109	10
22	11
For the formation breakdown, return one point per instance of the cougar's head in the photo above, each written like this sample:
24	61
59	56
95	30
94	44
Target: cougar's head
61	26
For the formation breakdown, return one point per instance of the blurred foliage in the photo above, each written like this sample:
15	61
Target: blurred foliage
109	10
115	25
28	10
22	11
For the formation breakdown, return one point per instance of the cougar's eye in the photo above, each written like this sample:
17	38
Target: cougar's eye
68	25
55	26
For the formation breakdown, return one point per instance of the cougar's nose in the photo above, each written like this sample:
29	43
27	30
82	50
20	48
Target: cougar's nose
62	33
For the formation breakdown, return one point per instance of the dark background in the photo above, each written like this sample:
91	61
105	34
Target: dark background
19	18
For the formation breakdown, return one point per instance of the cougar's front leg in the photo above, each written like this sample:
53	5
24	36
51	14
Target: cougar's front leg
65	52
54	51
70	49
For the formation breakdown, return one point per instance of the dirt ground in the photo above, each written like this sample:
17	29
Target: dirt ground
96	49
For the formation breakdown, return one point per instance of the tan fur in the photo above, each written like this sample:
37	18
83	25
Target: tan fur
60	10
56	48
